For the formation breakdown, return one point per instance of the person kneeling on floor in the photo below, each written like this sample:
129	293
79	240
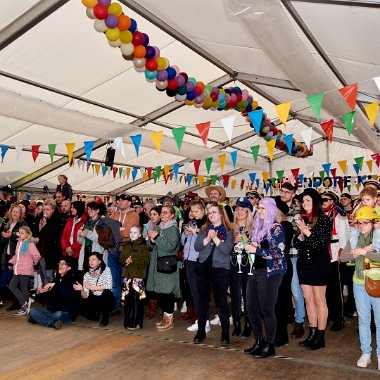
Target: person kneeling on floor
59	296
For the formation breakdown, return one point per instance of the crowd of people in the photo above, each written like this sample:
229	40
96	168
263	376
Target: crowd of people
265	261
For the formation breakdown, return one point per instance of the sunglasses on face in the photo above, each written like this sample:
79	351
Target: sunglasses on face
326	199
252	197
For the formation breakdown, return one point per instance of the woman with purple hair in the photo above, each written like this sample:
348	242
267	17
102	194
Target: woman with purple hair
267	244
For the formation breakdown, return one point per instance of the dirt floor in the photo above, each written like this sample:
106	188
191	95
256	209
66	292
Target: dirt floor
84	350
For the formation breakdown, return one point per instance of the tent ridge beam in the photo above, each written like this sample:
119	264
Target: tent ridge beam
351	3
267	81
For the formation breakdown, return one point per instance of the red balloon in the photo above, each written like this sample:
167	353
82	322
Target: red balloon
198	91
172	84
151	64
214	96
100	11
238	97
138	38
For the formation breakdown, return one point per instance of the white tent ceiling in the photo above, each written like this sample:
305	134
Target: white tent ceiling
60	82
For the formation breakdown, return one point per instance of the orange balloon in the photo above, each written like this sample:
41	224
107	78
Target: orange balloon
124	22
89	3
139	51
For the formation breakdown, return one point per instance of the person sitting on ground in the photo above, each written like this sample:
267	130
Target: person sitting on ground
96	291
60	298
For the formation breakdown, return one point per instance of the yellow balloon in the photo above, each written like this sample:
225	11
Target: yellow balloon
89	3
126	36
207	102
189	102
162	63
115	8
215	104
113	34
254	105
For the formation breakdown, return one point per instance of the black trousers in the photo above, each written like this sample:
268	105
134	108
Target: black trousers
218	279
262	294
166	302
238	288
334	295
93	305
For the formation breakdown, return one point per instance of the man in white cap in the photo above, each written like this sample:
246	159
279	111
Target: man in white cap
339	238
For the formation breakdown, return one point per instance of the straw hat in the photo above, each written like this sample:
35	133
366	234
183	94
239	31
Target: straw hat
220	189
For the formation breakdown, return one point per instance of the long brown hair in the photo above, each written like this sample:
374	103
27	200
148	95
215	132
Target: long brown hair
225	221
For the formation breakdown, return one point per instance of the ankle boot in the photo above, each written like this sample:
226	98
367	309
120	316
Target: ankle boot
152	308
255	348
318	341
237	328
225	338
167	322
201	333
312	332
247	329
267	350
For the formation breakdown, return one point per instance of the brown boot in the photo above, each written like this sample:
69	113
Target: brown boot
298	331
167	322
152	304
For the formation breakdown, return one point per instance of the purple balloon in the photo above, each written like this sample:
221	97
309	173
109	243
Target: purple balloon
157	50
106	3
111	21
150	52
199	99
162	75
190	87
181	80
146	40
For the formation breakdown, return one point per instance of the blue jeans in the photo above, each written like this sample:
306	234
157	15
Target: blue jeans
363	306
44	317
115	267
299	315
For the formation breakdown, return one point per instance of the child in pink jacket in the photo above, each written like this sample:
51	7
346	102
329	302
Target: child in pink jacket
23	262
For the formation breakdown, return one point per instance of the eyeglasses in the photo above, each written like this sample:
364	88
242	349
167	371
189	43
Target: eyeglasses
361	224
214	212
326	199
261	208
164	212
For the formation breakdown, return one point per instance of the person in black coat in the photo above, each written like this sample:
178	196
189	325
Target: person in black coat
64	187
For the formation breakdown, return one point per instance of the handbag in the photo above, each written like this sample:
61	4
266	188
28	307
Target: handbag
372	286
167	264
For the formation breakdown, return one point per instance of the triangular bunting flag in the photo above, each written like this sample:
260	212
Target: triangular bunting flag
295	173
158	172
369	164
343	166
283	112
136	140
128	172
356	168
306	135
51	148
233	183
289	142
118	145
376	158
97	168
203	129
88	147
176	170
333	172
265	176
214	178
70	149
256	118
18	149
201	179
36	151
104	169
228	125
357	185
222	160
114	171
226	180
255	152
197	164
242	184
186	167
258	182
88	165
315	103
348	120
157	139
349	93
145	176
4	150
233	158
280	174
359	161
178	134
166	171
328	127
270	147
322	174
189	178
149	171
134	173
252	177
326	168
371	111
120	172
208	162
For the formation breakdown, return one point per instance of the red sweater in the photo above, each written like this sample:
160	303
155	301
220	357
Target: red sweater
68	230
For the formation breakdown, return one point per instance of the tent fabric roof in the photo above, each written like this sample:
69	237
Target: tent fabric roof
77	88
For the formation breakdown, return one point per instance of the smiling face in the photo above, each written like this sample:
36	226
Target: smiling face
214	216
215	196
287	195
241	213
261	211
134	233
93	261
166	215
369	201
307	203
93	214
154	216
327	202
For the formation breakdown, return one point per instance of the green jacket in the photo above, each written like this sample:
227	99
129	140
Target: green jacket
140	258
166	244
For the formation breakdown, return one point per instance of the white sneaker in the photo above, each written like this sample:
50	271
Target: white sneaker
216	320
20	312
194	327
184	307
208	327
31	300
364	360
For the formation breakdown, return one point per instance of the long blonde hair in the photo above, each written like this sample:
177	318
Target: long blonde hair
248	222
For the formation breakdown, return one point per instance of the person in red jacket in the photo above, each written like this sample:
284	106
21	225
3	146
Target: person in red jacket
70	245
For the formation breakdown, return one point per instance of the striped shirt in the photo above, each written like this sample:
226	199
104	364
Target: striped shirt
104	279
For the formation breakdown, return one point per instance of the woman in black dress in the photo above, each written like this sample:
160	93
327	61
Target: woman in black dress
313	265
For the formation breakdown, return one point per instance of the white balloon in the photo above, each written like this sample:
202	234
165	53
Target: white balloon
180	98
126	49
100	26
116	43
140	69
90	13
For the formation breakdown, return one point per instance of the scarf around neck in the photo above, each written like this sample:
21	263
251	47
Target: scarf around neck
221	231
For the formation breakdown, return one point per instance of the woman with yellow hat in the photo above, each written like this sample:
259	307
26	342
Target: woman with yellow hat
365	257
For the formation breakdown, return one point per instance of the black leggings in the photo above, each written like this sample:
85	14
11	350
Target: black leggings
261	297
93	305
166	302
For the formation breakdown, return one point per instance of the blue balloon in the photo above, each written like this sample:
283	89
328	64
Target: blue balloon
171	72
133	26
191	95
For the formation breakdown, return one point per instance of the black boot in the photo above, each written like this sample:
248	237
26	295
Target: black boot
281	340
237	328
201	333
267	350
247	329
318	341
225	339
255	348
312	332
